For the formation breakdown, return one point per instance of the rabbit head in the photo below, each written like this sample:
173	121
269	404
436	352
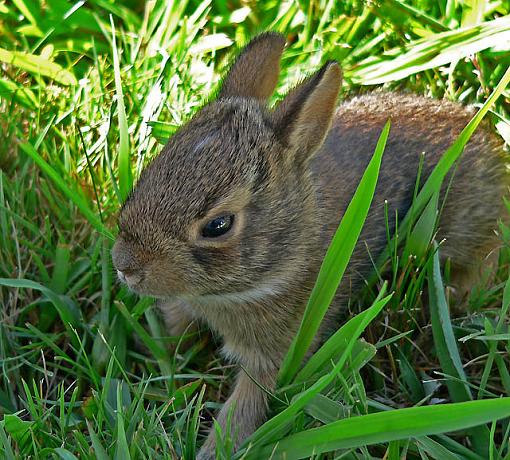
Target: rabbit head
229	200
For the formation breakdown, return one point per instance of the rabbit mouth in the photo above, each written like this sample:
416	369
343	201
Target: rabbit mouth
266	289
139	284
131	278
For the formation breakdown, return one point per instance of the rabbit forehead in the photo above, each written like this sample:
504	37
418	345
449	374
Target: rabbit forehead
221	150
225	140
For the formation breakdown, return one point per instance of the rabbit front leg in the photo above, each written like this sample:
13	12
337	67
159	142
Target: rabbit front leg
178	320
249	405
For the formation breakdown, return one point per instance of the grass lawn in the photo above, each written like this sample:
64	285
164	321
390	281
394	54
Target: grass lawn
89	92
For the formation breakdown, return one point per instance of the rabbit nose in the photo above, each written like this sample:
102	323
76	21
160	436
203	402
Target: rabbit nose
130	277
121	276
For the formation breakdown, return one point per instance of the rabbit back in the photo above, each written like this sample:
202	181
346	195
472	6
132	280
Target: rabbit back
419	126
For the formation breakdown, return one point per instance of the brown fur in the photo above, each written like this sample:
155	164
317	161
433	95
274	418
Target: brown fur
287	177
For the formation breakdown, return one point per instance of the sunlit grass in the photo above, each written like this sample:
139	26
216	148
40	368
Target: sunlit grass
88	93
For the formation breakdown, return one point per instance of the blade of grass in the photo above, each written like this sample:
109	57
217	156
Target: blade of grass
454	446
7	449
73	195
64	454
435	449
69	314
447	350
22	95
412	11
384	427
194	423
125	174
431	52
444	339
99	351
325	409
122	448
38	65
419	238
337	342
335	263
156	349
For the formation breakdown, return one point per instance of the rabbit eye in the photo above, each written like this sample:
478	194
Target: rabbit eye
218	226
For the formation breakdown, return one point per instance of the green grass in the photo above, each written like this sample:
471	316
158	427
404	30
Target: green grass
88	93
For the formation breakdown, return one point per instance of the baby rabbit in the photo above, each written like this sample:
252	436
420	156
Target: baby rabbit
229	224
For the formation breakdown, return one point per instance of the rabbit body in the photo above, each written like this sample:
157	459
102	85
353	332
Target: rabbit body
419	126
285	177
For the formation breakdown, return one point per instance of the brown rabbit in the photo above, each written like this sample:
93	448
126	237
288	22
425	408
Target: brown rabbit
229	224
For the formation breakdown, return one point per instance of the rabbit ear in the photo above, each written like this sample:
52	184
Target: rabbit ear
303	118
255	72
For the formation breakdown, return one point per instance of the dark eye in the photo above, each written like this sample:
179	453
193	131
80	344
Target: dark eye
218	226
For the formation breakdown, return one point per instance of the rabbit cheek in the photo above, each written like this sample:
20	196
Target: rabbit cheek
164	281
203	256
215	261
212	259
